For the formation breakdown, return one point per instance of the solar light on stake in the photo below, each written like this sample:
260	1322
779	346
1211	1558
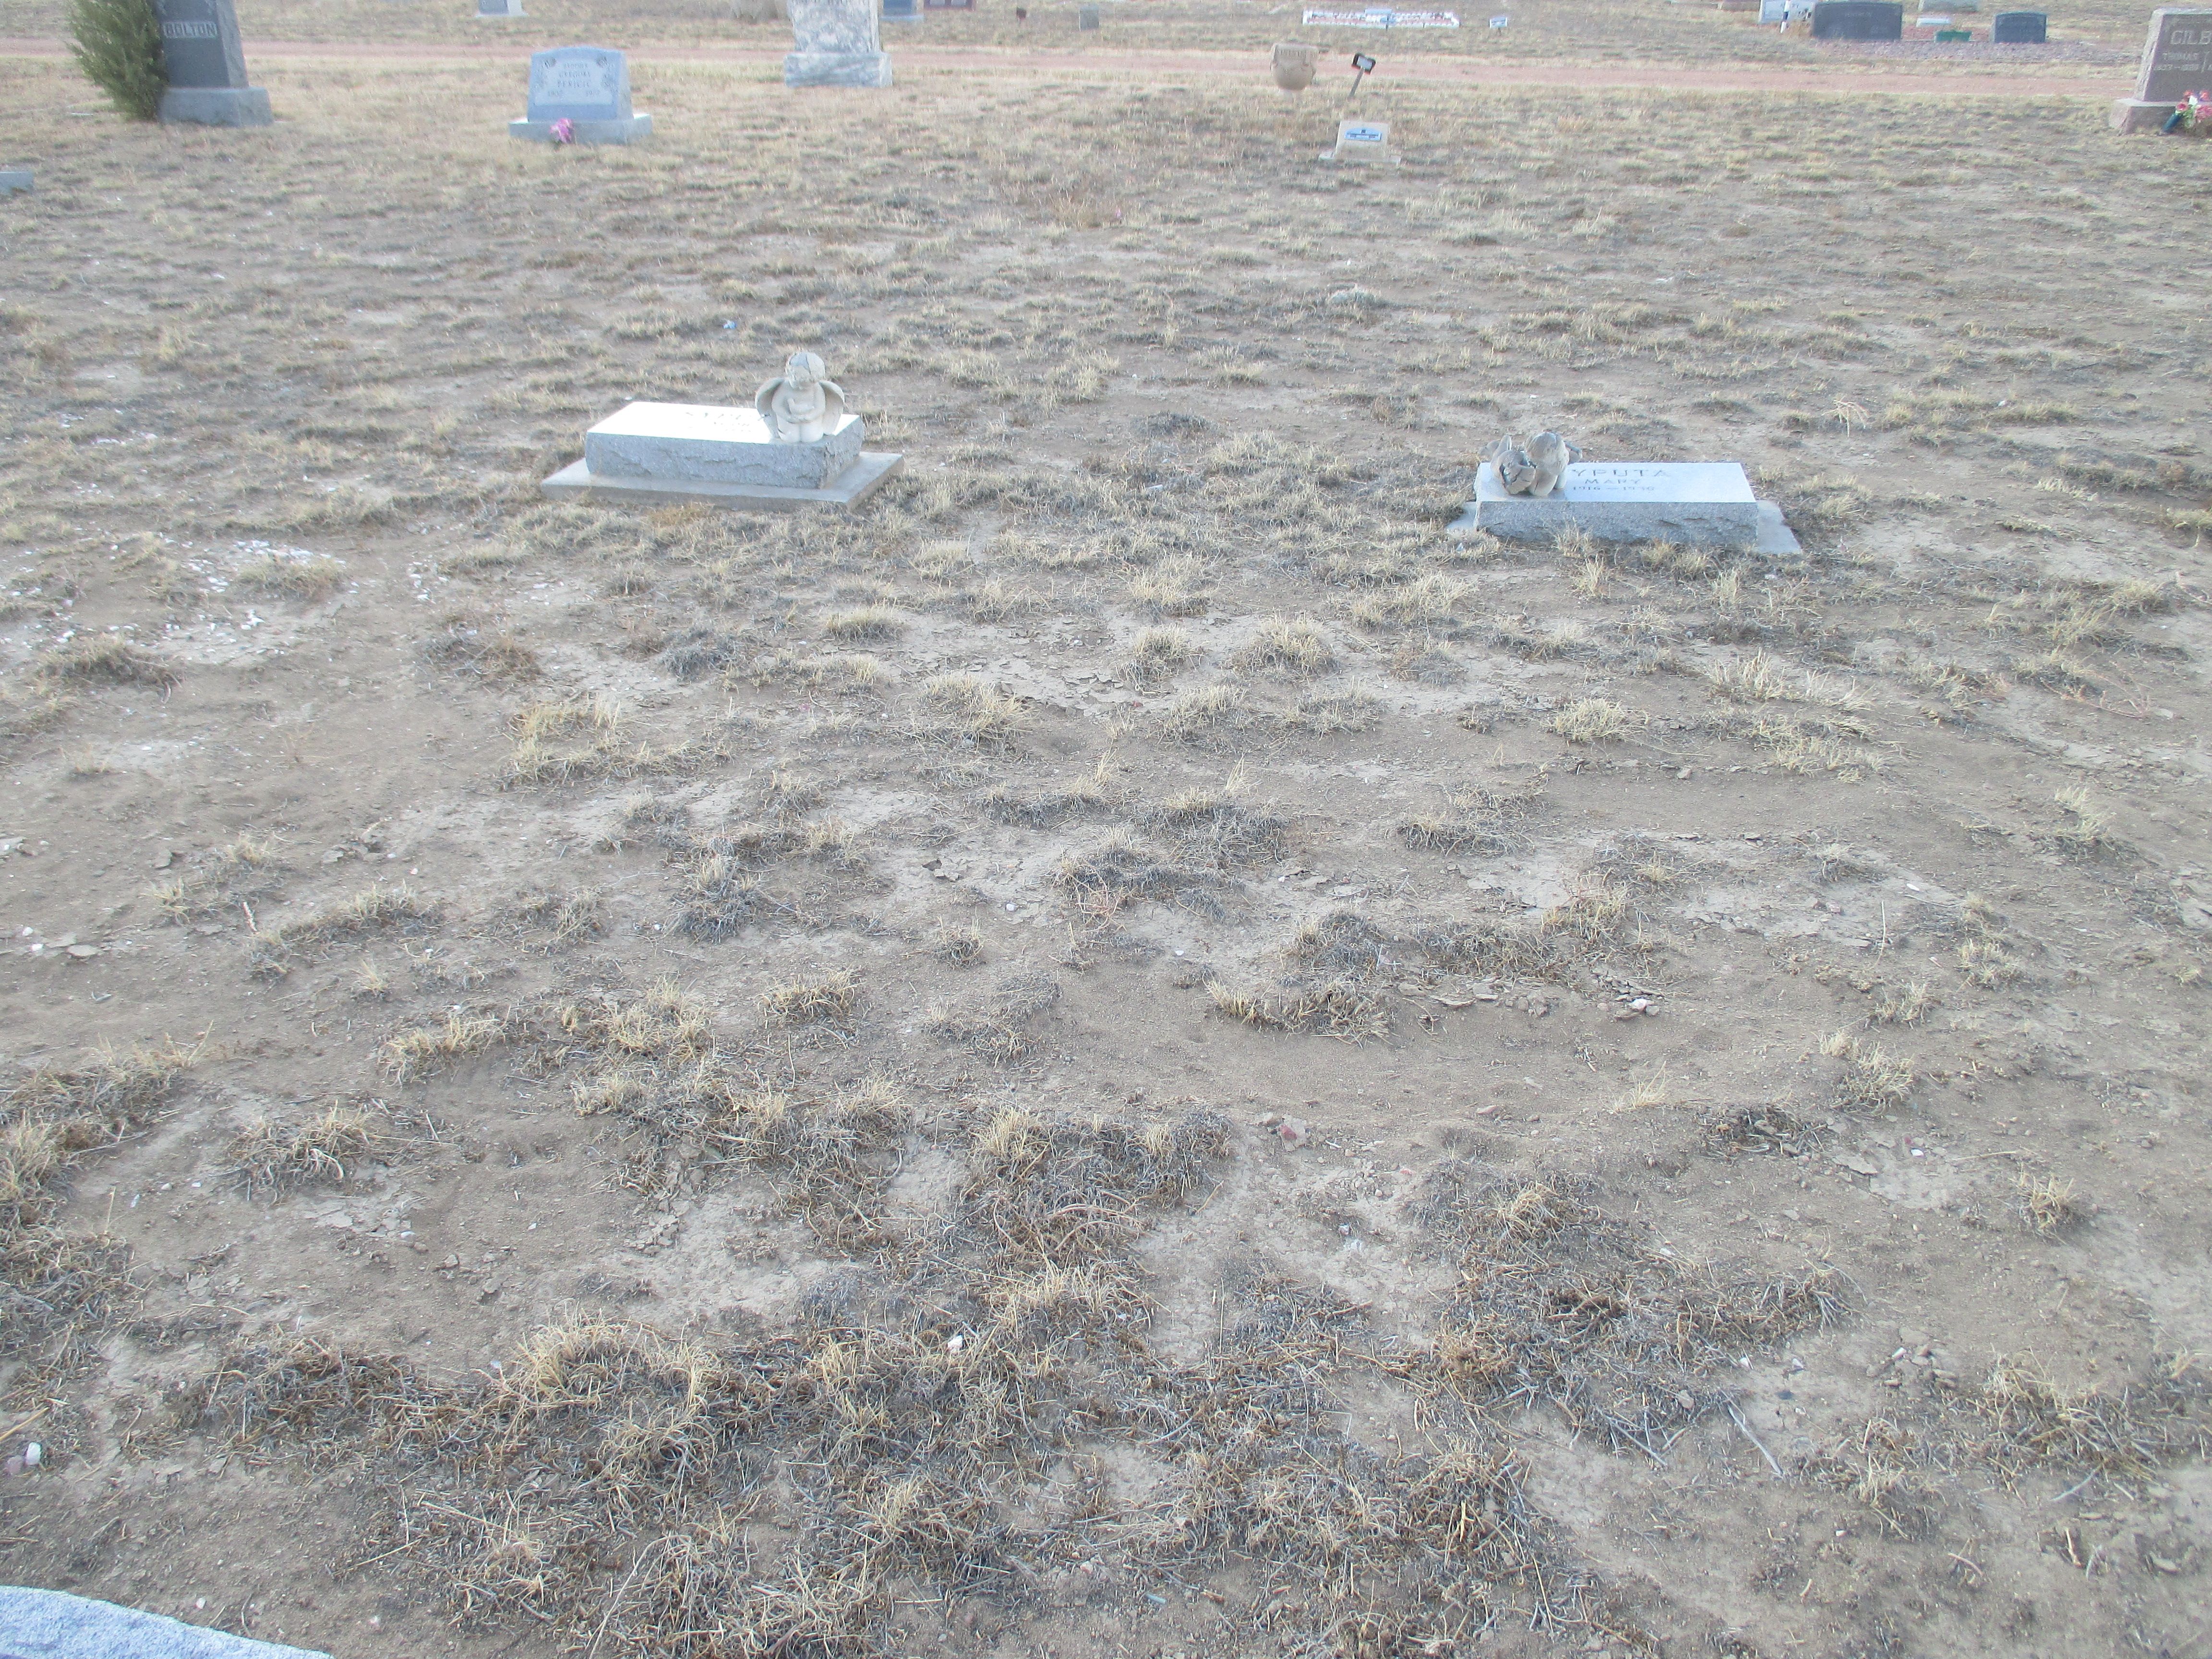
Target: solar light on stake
1362	67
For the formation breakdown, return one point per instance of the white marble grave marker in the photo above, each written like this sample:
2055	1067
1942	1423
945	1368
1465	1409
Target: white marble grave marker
1696	503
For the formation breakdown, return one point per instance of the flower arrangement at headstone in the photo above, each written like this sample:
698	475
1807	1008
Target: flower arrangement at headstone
564	131
118	44
2193	114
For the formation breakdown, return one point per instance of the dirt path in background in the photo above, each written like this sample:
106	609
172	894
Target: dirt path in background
984	59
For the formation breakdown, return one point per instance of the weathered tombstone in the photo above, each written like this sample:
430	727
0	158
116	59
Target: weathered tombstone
948	5
487	10
1294	63
1693	503
760	11
901	11
797	446
2019	28
2177	59
584	91
206	64
14	178
1086	17
836	42
1858	19
1363	140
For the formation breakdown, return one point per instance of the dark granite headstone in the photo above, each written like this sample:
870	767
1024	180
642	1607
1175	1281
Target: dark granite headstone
200	45
901	10
2018	28
1858	19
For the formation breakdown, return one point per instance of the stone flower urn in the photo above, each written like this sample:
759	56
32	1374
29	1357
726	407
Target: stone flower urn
1295	62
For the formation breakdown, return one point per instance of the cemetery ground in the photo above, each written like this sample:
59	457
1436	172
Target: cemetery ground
1130	1050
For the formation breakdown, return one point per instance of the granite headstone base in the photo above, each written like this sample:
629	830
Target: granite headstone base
638	126
217	107
578	483
1693	504
2140	115
837	69
707	443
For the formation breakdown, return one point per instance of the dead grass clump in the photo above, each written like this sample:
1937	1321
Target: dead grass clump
1475	819
1593	719
112	1091
1335	1009
1561	1303
2048	1204
1175	587
1423	661
275	1157
2088	831
1872	1078
427	1048
1427	600
567	917
1762	678
967	710
472	645
307	577
1042	808
1286	645
1121	870
377	910
1210	826
1158	654
105	657
2020	1420
830	1001
565	741
1202	715
1006	1029
1768	1127
696	653
871	622
1332	714
725	887
838	1150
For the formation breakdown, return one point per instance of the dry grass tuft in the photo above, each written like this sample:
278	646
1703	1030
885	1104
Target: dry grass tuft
1475	819
1872	1078
1286	645
833	1001
969	711
307	577
275	1157
427	1048
1593	719
2049	1205
104	657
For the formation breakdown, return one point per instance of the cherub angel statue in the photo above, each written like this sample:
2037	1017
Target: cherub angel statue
800	405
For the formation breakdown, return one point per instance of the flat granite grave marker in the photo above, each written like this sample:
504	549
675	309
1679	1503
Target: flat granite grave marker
205	61
2177	60
797	446
1858	19
1367	142
1694	503
587	87
2020	29
836	42
14	178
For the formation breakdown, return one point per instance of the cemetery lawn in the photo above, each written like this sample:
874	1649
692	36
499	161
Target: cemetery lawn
1130	1050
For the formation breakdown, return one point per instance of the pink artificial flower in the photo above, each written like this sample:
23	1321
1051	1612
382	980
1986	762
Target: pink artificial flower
564	131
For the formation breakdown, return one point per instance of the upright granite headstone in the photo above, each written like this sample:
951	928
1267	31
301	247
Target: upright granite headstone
2177	59
584	90
1858	19
836	42
2019	28
901	11
1086	17
206	64
487	9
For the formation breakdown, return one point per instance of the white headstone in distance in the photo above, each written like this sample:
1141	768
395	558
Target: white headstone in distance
1695	503
836	42
586	88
